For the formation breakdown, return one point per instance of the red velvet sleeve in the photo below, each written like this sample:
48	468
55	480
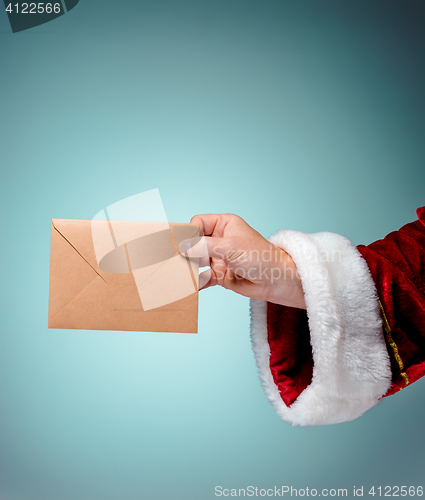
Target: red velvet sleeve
397	266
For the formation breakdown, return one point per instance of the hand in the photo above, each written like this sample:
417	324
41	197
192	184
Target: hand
241	260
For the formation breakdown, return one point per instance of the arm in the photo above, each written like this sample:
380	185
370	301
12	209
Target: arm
332	362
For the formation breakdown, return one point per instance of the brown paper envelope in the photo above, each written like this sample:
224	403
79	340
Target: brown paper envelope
83	296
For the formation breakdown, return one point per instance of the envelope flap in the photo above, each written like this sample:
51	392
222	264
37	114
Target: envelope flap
69	273
78	233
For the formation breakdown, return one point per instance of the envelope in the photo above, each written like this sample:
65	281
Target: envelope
85	294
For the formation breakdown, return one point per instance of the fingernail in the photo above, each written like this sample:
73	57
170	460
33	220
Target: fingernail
185	246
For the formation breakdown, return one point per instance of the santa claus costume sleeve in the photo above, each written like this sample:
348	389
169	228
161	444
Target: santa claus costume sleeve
362	336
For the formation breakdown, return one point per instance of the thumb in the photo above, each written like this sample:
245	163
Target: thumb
205	246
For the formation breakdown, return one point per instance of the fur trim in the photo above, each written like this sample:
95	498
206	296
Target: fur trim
351	363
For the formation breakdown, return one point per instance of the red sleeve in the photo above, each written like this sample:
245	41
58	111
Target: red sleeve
397	266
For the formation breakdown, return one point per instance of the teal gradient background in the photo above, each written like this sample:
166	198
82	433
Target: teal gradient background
305	114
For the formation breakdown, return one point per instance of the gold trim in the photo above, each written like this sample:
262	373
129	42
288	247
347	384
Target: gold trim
393	345
406	378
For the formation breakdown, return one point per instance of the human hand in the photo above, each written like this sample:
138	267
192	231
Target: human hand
241	260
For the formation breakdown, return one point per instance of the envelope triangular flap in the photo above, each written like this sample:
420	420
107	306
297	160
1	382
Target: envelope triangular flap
69	273
78	233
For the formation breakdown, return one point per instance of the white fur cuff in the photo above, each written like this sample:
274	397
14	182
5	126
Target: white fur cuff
351	364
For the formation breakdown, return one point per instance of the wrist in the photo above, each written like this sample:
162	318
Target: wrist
286	286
